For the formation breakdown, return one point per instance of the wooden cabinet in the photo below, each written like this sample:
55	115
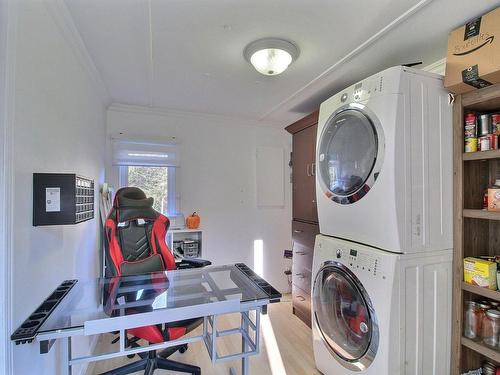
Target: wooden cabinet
476	232
303	171
301	302
303	236
305	215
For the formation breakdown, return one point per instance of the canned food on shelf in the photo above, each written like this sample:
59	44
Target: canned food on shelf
495	123
470	126
493	141
484	125
470	144
484	143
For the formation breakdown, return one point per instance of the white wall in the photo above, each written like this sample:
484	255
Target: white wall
59	126
217	179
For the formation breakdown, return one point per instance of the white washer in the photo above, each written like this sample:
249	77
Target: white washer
384	162
380	313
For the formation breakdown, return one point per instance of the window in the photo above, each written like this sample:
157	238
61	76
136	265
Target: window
151	167
156	182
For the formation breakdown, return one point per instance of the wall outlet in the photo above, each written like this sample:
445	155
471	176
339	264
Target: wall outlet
287	254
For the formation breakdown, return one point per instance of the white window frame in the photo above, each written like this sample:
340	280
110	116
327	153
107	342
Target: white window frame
171	186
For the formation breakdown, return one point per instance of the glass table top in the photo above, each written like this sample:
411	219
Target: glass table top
109	297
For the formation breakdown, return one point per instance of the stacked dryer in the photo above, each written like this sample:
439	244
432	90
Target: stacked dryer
382	264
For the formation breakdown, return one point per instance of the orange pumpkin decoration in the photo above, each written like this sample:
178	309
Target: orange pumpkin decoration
193	221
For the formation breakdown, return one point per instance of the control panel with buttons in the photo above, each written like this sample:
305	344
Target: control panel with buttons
360	261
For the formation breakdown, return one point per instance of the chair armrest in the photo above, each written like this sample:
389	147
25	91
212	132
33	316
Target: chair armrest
193	263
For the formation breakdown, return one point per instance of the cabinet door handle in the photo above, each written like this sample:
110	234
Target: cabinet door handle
301	299
308	170
297	231
301	252
299	275
313	169
314	200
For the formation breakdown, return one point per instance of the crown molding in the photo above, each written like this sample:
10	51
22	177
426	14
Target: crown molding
158	111
438	67
66	24
130	137
349	56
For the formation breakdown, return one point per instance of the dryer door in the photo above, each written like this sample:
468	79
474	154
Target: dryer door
350	152
345	317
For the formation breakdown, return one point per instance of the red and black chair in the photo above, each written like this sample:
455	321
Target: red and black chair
135	244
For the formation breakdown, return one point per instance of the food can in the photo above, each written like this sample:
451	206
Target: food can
489	368
470	126
493	141
484	125
495	123
484	143
470	144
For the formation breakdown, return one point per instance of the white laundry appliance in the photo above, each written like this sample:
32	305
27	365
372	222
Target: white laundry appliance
384	162
380	313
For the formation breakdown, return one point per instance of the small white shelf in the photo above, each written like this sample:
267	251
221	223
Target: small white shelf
184	230
184	235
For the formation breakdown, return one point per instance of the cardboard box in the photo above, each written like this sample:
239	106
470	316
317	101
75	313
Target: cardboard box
473	58
480	272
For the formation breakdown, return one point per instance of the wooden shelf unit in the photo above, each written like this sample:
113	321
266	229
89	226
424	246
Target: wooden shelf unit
481	155
491	354
481	214
485	292
476	231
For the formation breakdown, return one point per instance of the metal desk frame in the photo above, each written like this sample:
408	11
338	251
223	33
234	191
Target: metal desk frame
249	330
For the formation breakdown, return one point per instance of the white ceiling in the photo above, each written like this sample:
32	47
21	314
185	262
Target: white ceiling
187	55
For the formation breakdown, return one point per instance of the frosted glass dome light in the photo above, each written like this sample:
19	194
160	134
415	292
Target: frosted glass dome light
271	56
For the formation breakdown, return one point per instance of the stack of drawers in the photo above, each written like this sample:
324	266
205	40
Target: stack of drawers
84	199
303	235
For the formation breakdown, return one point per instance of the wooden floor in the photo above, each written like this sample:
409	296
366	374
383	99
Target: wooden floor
286	348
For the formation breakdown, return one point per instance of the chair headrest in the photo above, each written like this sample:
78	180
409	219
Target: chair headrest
131	203
132	197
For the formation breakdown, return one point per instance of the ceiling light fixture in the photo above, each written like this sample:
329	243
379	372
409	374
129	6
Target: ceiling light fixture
271	56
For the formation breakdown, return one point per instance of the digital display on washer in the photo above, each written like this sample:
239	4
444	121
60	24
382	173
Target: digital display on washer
353	253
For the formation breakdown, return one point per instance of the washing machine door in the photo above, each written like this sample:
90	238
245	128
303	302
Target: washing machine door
350	153
345	317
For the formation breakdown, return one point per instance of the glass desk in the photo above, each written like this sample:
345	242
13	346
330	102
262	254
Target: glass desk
82	308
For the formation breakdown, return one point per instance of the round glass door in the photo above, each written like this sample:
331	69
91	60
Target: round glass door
349	154
345	316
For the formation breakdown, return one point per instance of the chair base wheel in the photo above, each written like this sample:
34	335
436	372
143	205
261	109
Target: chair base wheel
151	363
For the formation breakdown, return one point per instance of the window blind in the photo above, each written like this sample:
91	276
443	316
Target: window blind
145	153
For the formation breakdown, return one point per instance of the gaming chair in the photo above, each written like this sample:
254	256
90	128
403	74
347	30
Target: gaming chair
135	244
